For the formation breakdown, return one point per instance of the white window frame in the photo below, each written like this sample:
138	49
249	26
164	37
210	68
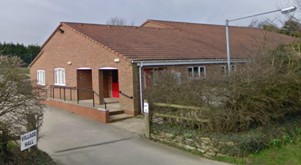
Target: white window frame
178	77
59	76
199	74
41	76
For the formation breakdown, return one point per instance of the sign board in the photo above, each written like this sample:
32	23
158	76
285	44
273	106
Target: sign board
146	108
28	140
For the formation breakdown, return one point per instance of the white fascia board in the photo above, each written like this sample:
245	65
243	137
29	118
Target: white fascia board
184	62
108	68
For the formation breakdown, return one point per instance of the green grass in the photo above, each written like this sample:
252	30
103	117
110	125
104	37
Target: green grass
289	154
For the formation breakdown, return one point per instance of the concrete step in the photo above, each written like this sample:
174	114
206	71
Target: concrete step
119	117
111	100
115	112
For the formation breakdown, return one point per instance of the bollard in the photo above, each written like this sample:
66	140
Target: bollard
146	119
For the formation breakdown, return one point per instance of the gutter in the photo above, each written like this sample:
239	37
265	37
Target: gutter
183	62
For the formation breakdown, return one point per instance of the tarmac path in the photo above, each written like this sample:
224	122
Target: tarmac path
71	139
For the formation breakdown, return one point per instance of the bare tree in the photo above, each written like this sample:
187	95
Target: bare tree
20	107
298	4
267	25
297	14
117	21
256	23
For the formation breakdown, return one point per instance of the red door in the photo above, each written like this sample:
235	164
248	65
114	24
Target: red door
115	84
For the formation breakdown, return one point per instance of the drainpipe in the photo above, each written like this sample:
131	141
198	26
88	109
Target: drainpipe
140	86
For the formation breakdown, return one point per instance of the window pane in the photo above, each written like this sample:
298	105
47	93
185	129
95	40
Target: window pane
233	67
63	77
43	77
195	72
190	71
38	77
55	76
224	69
202	71
60	77
178	77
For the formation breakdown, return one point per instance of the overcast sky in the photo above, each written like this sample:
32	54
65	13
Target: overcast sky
32	21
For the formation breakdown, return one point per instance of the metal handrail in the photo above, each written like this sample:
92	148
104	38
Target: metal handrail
52	87
123	94
41	90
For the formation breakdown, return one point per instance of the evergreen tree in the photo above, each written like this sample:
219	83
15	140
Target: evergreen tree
292	28
26	53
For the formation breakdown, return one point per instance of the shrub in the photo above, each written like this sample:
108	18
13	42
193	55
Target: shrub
266	90
21	110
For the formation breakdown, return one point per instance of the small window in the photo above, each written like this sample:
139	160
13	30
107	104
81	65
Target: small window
59	76
40	77
197	71
224	68
178	77
151	76
156	75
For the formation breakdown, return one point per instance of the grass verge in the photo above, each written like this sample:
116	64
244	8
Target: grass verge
289	154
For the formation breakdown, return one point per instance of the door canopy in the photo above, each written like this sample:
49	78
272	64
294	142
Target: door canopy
108	68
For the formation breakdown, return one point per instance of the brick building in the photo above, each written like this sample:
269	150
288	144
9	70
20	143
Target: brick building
89	61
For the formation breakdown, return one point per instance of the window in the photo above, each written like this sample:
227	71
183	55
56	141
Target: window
178	77
151	76
197	71
225	68
59	76
41	77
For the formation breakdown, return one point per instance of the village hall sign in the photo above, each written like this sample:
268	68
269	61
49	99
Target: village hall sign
28	140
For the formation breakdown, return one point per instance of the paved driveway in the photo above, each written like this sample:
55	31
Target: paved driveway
74	140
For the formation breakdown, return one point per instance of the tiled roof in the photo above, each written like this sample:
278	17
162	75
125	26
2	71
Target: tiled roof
179	41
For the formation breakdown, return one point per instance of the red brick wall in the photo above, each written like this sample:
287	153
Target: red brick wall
102	116
70	46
